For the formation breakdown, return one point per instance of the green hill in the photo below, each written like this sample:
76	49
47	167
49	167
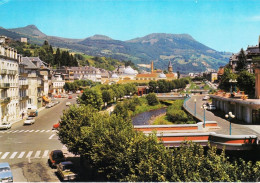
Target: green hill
185	53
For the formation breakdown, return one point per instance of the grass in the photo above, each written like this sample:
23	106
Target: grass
162	120
145	107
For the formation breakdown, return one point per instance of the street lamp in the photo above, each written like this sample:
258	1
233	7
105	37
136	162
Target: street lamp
204	107
195	100
230	116
157	89
231	81
147	89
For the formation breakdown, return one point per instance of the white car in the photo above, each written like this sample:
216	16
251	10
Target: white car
29	121
211	107
68	103
206	97
5	125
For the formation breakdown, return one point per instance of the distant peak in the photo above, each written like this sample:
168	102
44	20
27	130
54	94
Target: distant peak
31	26
100	37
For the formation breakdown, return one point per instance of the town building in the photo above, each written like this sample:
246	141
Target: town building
67	73
57	83
9	82
23	89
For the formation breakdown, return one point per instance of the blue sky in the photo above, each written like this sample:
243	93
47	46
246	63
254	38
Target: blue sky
224	25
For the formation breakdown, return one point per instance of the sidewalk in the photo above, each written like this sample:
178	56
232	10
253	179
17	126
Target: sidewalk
21	120
237	129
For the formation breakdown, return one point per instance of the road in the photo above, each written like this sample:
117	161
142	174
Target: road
26	148
237	129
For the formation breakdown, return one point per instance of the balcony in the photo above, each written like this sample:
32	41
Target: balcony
4	85
12	72
3	71
5	100
23	74
24	98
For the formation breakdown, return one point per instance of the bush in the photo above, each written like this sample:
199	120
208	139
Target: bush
177	115
177	105
152	99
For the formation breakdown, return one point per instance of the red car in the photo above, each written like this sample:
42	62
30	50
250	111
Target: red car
70	97
55	126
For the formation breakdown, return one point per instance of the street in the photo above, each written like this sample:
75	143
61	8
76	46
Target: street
26	148
237	129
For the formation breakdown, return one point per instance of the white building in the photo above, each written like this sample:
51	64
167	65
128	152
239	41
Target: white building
9	59
57	83
23	89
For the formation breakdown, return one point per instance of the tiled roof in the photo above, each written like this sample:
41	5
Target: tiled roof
170	75
28	63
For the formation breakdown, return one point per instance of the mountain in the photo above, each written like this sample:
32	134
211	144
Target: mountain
185	53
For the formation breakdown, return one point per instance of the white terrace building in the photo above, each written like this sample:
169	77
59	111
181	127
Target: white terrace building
9	87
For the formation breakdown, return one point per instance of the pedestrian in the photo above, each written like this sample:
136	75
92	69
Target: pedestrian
22	115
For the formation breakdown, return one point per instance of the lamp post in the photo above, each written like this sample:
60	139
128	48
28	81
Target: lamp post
147	89
195	101
157	89
231	81
230	116
204	107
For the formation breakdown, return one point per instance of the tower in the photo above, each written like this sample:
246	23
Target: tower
170	68
152	67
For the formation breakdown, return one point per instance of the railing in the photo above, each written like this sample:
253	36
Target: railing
192	110
4	85
12	72
3	71
5	100
24	98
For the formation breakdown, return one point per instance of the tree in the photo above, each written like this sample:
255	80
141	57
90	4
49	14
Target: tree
152	99
178	74
246	82
106	96
92	97
241	64
224	82
57	58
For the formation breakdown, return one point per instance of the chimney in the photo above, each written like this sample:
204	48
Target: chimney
152	67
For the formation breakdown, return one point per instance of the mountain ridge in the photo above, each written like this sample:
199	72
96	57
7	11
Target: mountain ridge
185	53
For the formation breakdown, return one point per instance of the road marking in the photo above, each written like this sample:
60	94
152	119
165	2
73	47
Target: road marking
42	131
0	153
45	154
37	130
9	131
47	130
21	154
37	155
26	130
31	131
15	131
13	155
29	154
5	155
51	136
21	131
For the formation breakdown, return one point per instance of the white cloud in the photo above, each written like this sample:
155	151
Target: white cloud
3	2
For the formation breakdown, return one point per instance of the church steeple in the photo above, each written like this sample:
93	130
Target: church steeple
152	67
170	68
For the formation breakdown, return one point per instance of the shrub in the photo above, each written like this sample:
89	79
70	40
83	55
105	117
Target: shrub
177	115
152	99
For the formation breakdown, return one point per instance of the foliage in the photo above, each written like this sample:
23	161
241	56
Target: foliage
246	82
152	99
113	148
92	97
78	84
241	63
177	116
224	83
165	86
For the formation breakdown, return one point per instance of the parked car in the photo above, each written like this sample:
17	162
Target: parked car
55	157
70	97
211	107
5	125
5	173
48	105
55	126
66	171
29	121
205	98
68	103
78	91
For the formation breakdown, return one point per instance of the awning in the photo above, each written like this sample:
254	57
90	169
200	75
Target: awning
45	99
